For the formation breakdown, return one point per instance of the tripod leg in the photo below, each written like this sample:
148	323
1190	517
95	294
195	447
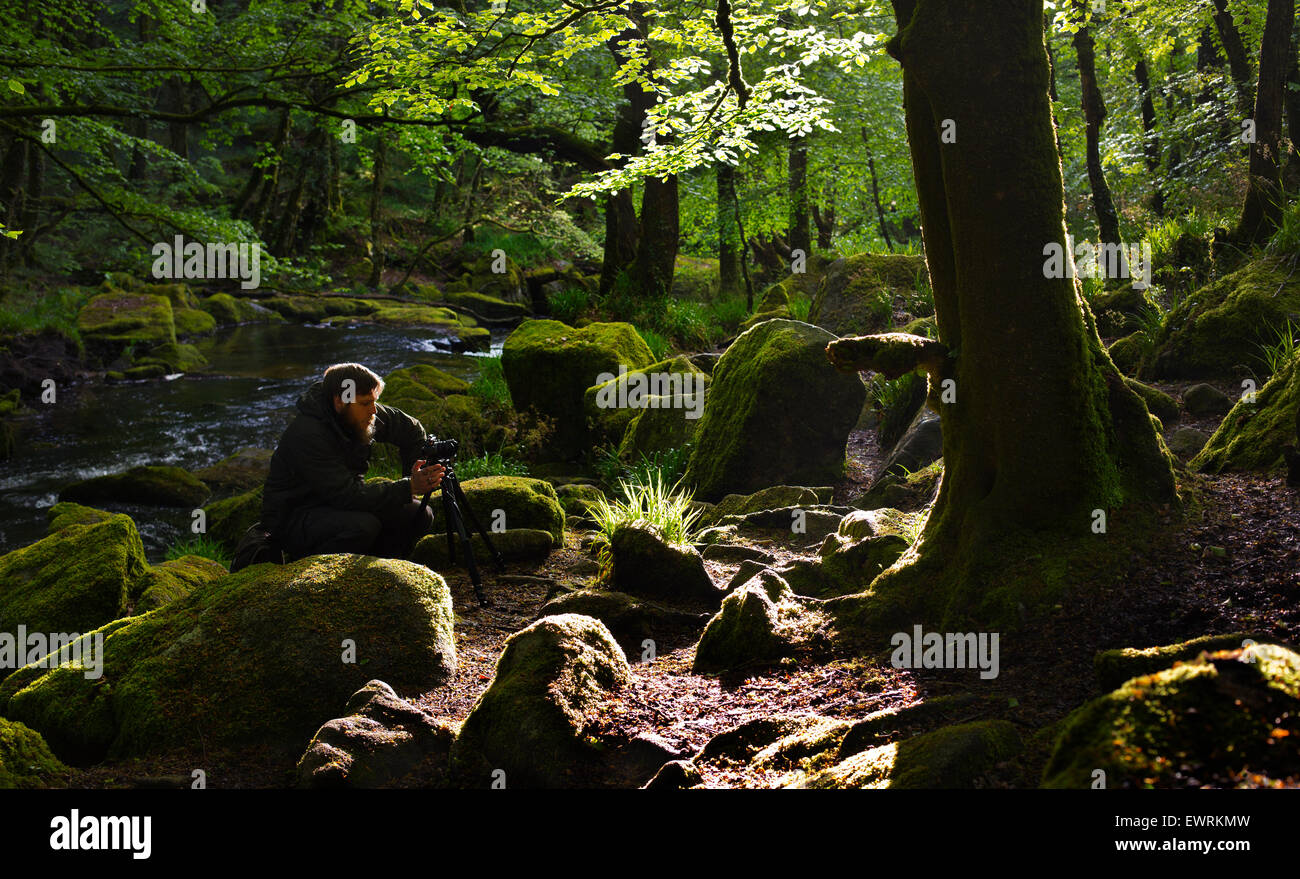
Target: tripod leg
469	511
454	521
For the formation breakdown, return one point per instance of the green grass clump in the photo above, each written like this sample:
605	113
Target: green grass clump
490	386
490	464
649	501
569	304
728	315
34	311
658	344
799	307
200	545
1283	350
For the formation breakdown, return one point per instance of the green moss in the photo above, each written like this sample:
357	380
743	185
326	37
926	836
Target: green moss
118	317
74	580
159	485
166	582
777	413
1198	721
26	762
245	469
253	657
695	278
1117	312
514	545
549	366
228	519
526	503
193	322
1218	329
489	307
857	295
1127	353
1158	402
608	425
227	310
66	513
1114	667
1251	436
173	357
433	380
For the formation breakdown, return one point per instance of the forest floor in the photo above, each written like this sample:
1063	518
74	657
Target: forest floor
1232	563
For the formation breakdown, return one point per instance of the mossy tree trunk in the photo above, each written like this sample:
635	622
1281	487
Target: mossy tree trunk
799	231
1150	135
1043	430
1094	114
1262	213
728	232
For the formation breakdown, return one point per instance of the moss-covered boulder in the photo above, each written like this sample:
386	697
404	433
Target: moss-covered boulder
1159	404
673	389
770	498
1206	401
851	563
777	413
856	296
164	583
752	627
1216	332
514	545
26	762
116	318
380	740
549	366
461	417
1224	718
522	502
1185	442
649	566
75	580
228	519
532	721
509	284
264	656
172	357
420	382
1127	353
1252	434
578	499
228	310
630	620
66	513
908	493
1117	312
1114	667
158	485
315	309
489	307
245	469
953	757
193	322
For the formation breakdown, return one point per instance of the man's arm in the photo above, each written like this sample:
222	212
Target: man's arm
392	425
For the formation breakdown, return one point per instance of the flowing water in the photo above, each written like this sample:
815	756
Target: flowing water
245	397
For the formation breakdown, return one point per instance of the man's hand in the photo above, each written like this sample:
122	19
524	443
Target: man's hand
425	479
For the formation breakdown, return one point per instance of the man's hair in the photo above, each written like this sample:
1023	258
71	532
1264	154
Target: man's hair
365	380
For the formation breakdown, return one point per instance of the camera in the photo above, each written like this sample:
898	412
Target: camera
439	451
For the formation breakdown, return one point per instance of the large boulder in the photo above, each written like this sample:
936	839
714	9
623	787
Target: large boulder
630	620
549	366
164	583
244	470
227	310
1206	401
531	723
777	412
158	485
1217	331
264	656
509	284
66	513
512	501
116	318
648	566
1252	434
380	740
26	762
920	446
674	390
1237	716
755	625
228	519
513	544
74	580
856	296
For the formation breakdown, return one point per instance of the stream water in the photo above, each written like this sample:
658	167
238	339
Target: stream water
245	397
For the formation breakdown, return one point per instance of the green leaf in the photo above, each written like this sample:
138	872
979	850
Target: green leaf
16	86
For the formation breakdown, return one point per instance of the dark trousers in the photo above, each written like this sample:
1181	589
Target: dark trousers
390	534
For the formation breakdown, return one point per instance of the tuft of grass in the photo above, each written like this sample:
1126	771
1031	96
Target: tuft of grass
652	502
686	322
199	545
1150	322
490	464
569	304
728	315
1283	350
1286	240
490	386
799	307
669	465
658	344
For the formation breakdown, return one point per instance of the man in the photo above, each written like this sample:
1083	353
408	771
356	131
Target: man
315	500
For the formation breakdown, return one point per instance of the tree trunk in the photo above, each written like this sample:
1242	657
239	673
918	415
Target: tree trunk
825	223
656	255
1024	470
376	202
1238	60
799	231
1151	138
1291	100
1262	213
729	282
1094	114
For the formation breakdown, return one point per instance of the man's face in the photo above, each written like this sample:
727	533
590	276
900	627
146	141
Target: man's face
359	415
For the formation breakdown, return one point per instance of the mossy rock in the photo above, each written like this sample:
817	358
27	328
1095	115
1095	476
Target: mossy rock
1127	353
1227	715
66	513
953	757
229	310
1252	434
1159	404
148	371
770	498
180	295
648	566
164	583
1114	667
457	416
26	762
907	493
514	545
489	307
173	357
673	382
230	518
526	503
412	316
1117	312
777	413
922	326
74	580
549	366
532	720
748	629
630	620
158	485
1216	332
245	469
577	500
193	322
380	741
510	285
421	381
852	563
660	427
256	657
118	318
856	296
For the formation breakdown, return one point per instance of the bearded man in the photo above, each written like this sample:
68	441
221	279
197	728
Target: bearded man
315	499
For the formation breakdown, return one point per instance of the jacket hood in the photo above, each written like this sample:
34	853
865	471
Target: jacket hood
312	402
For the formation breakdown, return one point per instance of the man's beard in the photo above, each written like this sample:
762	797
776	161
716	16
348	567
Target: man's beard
362	432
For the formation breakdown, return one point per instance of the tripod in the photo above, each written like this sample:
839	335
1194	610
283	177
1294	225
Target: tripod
453	499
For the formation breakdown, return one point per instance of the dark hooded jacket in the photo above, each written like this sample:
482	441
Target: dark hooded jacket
318	464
